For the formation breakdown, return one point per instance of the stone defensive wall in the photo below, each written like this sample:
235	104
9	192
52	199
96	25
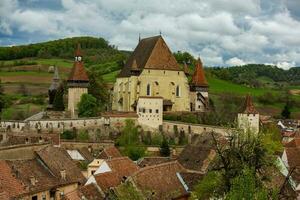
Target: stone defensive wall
115	121
170	127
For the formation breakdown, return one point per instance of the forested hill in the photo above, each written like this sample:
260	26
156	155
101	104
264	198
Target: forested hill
96	50
257	75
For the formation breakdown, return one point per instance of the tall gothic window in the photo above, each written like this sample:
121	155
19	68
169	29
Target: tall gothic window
148	90
177	91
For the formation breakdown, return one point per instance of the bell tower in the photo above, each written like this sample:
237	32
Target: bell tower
248	117
78	83
199	89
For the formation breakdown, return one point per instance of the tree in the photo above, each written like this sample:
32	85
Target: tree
286	113
97	88
164	148
239	167
58	103
87	107
129	139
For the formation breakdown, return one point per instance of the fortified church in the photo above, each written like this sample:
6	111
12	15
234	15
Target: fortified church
152	71
151	83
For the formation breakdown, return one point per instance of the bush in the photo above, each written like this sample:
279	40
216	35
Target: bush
83	136
164	148
156	139
135	152
87	107
68	135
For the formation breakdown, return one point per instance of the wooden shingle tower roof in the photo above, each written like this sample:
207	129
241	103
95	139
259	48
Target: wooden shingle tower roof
198	78
150	53
78	73
248	107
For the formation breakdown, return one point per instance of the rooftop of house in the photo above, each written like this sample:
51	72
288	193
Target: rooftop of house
109	152
149	161
150	53
121	168
89	192
197	155
294	143
10	186
160	181
58	160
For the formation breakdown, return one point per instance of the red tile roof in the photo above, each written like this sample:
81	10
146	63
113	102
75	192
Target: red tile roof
78	72
294	143
248	107
78	50
161	180
110	152
90	192
57	160
10	186
121	168
150	53
198	78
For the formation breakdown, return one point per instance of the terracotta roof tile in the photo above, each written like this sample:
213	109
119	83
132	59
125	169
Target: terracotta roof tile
78	73
161	181
150	53
197	155
294	143
90	192
57	160
32	169
149	161
110	152
9	185
121	168
248	107
198	78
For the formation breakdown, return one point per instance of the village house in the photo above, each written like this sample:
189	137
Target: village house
111	173
50	175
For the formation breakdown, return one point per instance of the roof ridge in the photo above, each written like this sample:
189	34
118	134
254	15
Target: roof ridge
156	166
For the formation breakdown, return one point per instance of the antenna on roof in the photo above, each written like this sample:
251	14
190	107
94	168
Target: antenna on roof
139	37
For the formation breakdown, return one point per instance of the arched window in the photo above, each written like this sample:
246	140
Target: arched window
148	89
177	91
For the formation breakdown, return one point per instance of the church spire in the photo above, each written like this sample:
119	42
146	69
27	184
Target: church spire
248	107
198	78
78	54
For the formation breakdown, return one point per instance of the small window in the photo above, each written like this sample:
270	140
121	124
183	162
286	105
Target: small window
150	110
177	91
144	110
148	90
157	111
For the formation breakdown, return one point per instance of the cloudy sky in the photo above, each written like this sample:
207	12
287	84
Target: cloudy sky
222	32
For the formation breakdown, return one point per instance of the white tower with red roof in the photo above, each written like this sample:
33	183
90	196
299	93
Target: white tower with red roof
199	89
248	118
78	82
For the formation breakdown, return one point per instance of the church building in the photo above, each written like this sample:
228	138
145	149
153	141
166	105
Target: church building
78	83
152	71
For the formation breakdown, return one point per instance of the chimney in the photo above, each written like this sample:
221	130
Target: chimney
63	174
32	180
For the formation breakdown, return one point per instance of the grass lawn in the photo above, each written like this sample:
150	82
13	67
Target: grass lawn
24	73
20	111
220	86
55	61
110	77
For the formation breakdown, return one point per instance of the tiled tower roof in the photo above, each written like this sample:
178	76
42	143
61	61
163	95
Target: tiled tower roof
198	78
248	107
150	53
78	73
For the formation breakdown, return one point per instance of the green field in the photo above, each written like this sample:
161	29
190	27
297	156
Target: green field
220	86
110	77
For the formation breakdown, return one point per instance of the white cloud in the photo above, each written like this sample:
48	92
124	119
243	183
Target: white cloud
235	62
215	29
286	65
